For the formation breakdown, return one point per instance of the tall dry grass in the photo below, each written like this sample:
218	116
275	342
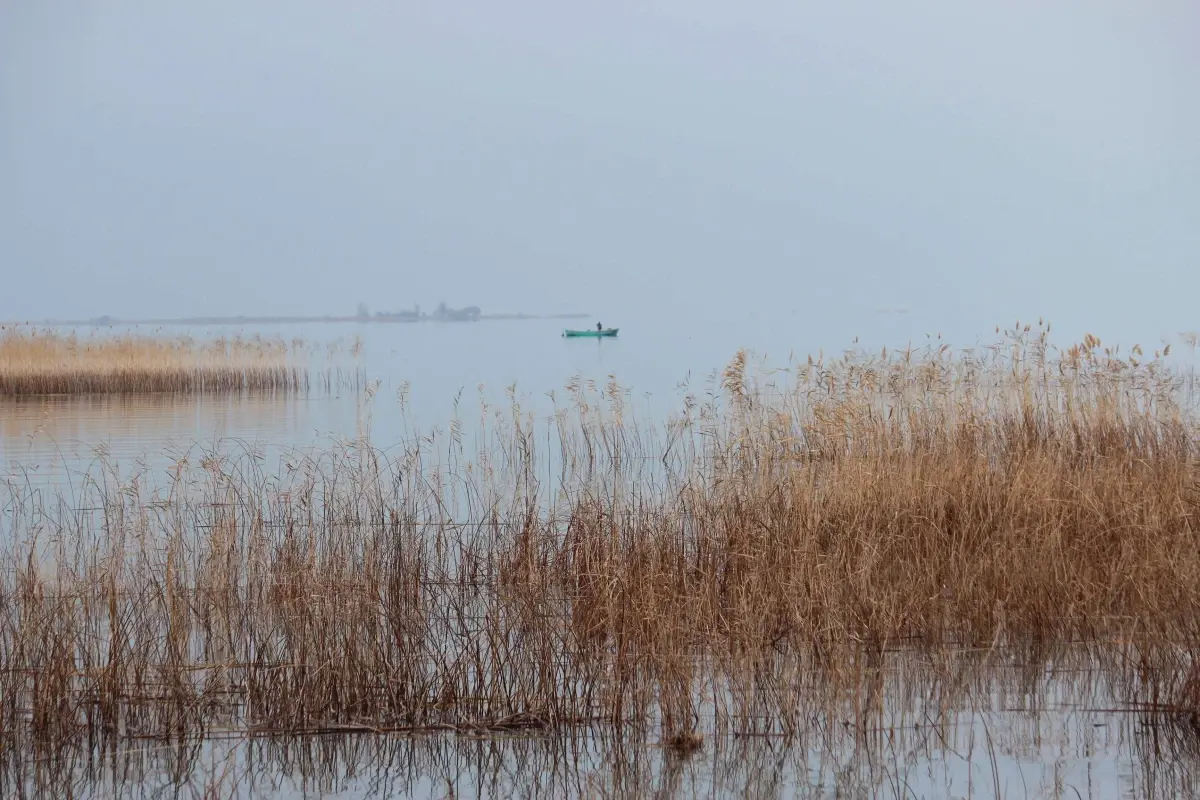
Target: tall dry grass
773	542
34	362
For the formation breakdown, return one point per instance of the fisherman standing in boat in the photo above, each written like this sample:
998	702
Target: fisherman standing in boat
599	327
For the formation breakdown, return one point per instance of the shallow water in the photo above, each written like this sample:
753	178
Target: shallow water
45	439
421	369
1003	738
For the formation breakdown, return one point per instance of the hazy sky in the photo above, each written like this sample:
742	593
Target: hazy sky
977	160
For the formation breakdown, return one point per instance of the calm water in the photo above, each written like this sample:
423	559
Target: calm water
44	439
1002	735
431	364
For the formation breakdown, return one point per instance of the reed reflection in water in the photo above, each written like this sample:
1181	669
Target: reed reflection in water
51	440
1015	730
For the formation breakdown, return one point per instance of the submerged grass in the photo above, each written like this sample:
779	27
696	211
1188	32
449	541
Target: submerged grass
772	543
36	362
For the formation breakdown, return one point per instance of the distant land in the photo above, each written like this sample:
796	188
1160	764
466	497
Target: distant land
404	317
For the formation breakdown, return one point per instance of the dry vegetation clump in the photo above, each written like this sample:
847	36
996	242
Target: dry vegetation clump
771	544
46	363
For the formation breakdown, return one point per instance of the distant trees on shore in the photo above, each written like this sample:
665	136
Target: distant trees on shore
442	313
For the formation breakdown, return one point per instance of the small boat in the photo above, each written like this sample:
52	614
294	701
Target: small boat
597	333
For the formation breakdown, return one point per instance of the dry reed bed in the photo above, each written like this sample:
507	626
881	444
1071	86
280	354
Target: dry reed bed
36	362
769	545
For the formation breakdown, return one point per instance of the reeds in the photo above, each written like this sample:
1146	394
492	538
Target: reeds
771	543
36	362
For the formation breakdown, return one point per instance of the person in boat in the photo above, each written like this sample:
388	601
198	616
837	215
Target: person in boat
599	327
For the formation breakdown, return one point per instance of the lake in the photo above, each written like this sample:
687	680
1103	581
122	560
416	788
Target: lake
430	364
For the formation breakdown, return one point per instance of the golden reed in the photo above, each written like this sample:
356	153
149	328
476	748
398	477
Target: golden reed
36	362
592	568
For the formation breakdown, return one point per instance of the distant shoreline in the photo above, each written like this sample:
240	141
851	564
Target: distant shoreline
106	322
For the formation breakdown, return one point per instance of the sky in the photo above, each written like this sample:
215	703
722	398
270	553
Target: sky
973	163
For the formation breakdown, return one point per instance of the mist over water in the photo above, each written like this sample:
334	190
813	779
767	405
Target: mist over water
786	179
699	161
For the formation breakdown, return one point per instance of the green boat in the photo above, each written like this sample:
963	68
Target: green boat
595	333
